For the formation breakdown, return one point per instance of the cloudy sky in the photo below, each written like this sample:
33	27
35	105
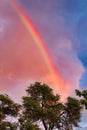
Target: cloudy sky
62	27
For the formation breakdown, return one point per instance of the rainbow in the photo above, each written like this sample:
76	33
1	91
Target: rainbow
38	41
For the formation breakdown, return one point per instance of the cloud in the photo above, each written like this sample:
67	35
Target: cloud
22	62
67	63
1	25
20	59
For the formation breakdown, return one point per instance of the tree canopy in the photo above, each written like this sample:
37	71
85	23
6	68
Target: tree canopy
41	105
83	95
8	109
40	109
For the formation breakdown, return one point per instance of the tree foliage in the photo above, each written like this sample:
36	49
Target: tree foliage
40	108
42	105
8	109
83	95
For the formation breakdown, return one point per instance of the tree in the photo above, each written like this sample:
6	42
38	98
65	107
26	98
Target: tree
72	113
83	95
24	125
41	105
8	109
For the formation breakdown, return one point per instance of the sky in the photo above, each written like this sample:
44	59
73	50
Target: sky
59	59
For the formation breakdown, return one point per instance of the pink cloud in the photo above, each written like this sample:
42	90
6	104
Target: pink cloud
67	63
21	62
20	58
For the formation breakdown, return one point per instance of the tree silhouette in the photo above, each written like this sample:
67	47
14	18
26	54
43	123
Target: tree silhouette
41	105
83	95
8	109
41	108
